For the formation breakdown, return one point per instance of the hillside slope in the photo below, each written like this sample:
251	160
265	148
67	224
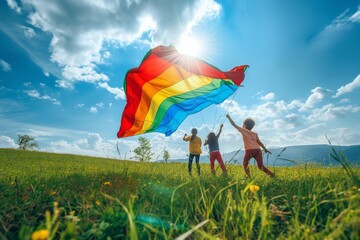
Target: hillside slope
293	155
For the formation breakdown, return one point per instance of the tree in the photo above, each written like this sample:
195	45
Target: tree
143	152
166	155
26	142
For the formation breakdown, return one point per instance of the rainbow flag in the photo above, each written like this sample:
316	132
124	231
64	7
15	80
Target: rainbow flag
168	86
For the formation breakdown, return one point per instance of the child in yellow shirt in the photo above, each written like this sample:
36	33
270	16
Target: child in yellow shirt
194	149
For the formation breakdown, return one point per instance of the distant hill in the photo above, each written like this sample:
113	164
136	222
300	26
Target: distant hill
293	155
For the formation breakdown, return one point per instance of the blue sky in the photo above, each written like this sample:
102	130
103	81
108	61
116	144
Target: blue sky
62	66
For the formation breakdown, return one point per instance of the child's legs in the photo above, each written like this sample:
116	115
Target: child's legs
221	162
191	157
248	155
259	160
212	161
197	158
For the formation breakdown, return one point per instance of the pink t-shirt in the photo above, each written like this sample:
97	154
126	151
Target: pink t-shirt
250	139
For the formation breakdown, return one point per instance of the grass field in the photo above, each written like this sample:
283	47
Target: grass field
57	196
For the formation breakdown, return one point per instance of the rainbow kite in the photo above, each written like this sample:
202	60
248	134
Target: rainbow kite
168	86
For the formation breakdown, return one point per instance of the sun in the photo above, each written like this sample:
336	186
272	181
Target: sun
189	45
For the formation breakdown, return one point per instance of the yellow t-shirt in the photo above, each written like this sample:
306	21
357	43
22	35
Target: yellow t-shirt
194	145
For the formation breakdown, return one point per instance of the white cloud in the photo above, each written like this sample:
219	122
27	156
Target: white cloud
344	136
5	66
329	112
344	19
93	144
318	94
80	105
13	5
28	32
356	16
339	21
204	9
232	108
100	105
289	121
119	93
7	142
269	109
268	96
106	54
311	128
344	100
64	84
62	140
36	94
348	87
84	73
334	32
307	135
282	124
295	104
79	30
93	109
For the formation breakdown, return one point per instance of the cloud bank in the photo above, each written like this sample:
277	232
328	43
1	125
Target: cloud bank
82	30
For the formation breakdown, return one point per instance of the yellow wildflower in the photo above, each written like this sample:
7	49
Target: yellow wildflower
254	188
97	203
107	183
53	193
40	234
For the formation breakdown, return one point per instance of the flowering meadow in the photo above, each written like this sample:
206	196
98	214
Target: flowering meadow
59	196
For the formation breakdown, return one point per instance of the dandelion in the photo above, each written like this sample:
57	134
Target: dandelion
254	188
40	234
97	203
53	193
107	183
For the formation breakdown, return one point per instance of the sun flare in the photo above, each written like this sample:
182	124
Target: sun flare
189	46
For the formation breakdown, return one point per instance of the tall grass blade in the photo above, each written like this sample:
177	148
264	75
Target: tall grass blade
188	233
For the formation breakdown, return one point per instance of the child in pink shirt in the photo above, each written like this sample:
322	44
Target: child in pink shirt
252	146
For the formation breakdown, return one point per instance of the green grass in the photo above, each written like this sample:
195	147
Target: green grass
78	197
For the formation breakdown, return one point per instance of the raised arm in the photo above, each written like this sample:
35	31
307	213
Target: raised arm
221	126
184	137
232	122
